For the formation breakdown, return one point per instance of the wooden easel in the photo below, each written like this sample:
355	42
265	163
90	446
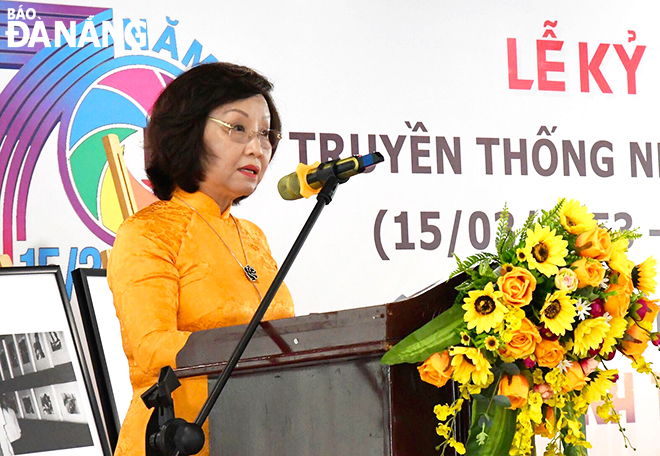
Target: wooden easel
121	179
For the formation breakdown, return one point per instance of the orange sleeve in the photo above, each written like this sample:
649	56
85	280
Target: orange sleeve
144	280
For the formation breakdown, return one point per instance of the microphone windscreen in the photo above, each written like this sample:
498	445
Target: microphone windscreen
289	187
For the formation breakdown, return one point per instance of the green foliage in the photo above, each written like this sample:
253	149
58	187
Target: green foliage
467	265
625	234
505	237
528	225
551	218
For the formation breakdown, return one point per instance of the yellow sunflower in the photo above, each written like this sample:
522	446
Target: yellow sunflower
558	313
589	334
618	259
484	309
599	386
545	251
470	363
491	343
644	276
618	326
575	218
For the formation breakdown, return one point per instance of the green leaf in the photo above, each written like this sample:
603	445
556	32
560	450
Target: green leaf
510	368
500	432
502	401
434	337
466	266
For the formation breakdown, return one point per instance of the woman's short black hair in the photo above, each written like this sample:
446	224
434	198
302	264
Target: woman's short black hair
174	138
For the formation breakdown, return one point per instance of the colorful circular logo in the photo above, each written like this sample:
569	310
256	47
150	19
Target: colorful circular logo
119	102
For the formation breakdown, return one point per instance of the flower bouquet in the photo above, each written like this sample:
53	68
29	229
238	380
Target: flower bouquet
532	330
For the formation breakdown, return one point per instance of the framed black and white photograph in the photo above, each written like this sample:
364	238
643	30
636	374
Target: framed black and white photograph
48	405
40	355
55	346
24	353
10	400
12	355
47	384
5	372
103	334
29	404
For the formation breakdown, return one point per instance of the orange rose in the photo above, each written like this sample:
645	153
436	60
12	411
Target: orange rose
437	369
549	353
635	347
652	312
589	273
516	388
575	378
524	340
617	305
595	243
517	285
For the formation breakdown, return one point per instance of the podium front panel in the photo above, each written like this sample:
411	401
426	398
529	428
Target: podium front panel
343	408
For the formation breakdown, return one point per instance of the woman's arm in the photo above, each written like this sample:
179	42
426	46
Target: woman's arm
144	280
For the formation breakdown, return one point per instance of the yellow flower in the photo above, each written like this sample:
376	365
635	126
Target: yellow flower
484	309
545	250
618	259
443	430
538	376
597	388
558	313
642	366
575	218
458	446
644	276
470	363
589	334
618	326
442	412
465	338
491	343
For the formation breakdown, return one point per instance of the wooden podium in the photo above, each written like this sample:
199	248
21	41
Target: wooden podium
314	385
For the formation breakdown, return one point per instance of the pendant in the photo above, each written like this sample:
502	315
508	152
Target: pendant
250	273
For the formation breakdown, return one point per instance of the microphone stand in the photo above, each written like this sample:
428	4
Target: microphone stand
175	436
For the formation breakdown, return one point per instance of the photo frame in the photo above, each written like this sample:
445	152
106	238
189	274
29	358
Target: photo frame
44	377
40	354
108	361
24	353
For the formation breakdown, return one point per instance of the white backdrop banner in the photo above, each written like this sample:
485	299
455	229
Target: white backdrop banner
474	104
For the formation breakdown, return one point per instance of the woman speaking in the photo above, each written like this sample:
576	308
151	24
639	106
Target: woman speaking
185	263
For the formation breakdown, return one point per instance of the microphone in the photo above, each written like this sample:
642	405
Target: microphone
308	180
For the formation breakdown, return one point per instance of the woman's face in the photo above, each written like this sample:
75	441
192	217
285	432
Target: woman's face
234	169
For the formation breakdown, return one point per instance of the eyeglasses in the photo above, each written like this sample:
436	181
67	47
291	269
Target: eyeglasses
267	138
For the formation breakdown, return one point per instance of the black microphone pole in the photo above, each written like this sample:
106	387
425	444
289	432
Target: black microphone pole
323	199
177	437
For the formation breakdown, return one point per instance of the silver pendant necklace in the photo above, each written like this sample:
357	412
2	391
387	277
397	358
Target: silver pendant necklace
249	271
